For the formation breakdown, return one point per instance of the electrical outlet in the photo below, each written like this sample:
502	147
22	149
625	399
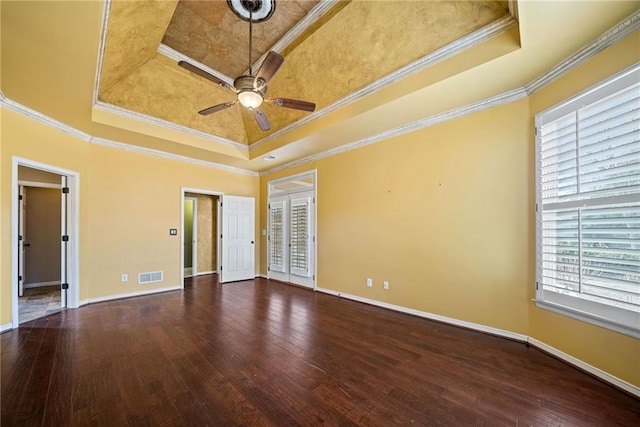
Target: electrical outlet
385	285
124	278
369	283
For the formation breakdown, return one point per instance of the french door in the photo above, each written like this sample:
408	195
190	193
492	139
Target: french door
291	238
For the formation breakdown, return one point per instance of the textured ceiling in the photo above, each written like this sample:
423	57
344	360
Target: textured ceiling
211	33
354	44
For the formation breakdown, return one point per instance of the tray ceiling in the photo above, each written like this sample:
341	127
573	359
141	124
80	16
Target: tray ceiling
343	47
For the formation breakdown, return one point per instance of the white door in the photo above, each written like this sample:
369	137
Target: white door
237	240
21	237
292	238
64	248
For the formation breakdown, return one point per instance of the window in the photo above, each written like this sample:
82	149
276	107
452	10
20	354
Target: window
588	205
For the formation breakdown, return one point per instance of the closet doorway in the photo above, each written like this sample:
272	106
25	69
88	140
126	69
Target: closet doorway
200	230
292	230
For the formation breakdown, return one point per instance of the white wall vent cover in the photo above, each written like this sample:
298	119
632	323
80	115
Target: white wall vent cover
152	277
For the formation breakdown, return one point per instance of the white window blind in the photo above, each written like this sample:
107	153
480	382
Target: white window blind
276	236
299	250
588	181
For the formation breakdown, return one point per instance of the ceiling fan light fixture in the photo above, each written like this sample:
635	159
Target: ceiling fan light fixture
250	99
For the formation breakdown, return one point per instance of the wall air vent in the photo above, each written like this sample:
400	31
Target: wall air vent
151	277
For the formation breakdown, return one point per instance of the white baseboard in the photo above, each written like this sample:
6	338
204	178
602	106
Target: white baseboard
431	316
6	327
604	376
264	276
41	284
130	295
617	382
204	273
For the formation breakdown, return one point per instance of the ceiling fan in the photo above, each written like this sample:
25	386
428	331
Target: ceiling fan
251	89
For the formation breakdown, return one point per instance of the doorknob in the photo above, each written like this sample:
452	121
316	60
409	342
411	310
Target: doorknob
252	242
26	245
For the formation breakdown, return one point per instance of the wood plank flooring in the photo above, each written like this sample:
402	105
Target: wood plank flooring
265	353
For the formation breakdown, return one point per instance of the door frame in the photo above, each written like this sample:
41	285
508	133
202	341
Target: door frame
286	195
194	236
73	216
183	196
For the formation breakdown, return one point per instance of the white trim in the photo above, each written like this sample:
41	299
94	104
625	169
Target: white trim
170	53
610	37
495	101
131	294
41	284
42	118
73	271
6	327
604	376
164	154
426	315
183	195
38	184
445	52
130	114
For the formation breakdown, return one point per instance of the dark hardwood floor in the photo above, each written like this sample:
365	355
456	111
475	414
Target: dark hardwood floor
260	353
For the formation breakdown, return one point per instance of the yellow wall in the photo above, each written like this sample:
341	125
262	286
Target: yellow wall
612	352
128	203
441	213
446	215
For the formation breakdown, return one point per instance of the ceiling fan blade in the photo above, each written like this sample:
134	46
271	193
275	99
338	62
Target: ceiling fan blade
202	73
217	108
262	120
295	104
270	67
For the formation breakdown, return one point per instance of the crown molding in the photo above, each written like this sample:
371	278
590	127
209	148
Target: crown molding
494	101
158	153
610	37
177	56
111	108
42	118
445	52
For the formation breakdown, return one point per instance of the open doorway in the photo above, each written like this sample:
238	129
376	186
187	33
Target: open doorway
200	234
45	232
39	292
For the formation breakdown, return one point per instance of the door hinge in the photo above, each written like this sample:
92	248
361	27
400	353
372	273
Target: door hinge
314	200
65	238
269	206
536	286
19	278
535	130
65	286
65	190
19	238
314	238
536	207
268	268
20	197
221	236
314	277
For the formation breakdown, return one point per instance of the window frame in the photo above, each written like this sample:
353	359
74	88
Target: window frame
618	319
